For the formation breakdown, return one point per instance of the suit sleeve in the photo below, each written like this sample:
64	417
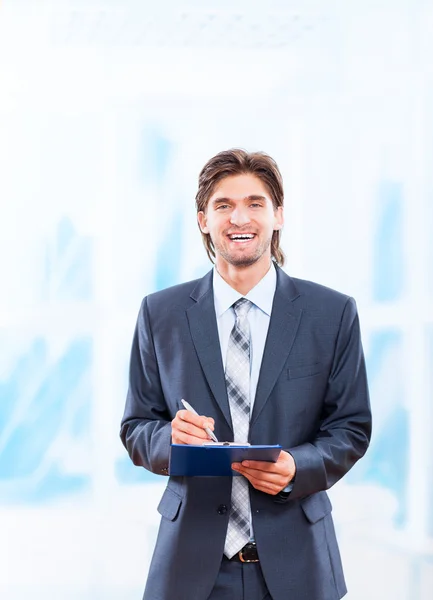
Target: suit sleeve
345	429
146	424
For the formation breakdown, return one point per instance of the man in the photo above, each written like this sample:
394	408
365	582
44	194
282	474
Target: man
261	356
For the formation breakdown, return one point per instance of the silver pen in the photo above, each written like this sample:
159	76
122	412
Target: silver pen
188	406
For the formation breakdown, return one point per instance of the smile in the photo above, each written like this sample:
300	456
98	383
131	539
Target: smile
241	238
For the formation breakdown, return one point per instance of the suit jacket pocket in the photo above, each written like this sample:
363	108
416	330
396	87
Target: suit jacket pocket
297	372
316	506
169	504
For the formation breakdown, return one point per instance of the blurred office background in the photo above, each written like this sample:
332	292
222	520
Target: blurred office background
108	110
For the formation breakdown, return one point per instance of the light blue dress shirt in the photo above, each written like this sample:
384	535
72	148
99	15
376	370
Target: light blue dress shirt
262	297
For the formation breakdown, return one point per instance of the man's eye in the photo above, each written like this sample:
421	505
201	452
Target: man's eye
222	206
255	205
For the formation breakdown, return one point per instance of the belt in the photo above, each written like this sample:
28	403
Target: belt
248	554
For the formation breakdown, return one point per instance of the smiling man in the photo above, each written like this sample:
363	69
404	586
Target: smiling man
263	358
240	220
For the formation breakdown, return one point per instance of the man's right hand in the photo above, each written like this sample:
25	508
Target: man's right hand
188	428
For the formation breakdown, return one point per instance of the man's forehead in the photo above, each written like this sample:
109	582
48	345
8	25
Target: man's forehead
239	187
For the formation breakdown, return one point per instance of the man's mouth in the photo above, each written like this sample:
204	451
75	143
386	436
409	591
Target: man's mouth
241	237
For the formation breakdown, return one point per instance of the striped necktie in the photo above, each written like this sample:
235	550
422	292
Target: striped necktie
237	376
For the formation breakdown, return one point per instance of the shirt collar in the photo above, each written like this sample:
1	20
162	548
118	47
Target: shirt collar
262	295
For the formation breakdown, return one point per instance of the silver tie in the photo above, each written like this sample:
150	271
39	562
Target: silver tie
238	390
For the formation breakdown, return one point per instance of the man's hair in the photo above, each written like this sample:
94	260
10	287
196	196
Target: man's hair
238	162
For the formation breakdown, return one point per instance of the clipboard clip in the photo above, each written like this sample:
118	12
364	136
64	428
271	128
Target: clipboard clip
225	444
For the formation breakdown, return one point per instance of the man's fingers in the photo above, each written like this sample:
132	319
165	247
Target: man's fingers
269	487
194	430
198	420
181	437
188	428
284	467
265	470
186	433
261	465
270	478
257	475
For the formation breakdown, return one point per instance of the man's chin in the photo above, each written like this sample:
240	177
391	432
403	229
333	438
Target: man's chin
241	260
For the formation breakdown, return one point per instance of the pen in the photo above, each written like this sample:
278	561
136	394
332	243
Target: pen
190	408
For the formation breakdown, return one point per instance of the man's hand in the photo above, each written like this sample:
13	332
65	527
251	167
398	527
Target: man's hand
188	428
268	477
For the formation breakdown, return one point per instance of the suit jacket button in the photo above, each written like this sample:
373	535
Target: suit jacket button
222	509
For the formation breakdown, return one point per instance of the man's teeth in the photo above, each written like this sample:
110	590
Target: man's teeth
244	236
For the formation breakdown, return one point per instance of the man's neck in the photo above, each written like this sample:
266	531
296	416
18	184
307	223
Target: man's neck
243	279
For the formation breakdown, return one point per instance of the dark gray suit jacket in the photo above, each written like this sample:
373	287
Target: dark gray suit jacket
311	398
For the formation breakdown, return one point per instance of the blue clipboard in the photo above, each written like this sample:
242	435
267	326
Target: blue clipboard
212	461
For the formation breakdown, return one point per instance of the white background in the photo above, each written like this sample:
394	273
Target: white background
108	110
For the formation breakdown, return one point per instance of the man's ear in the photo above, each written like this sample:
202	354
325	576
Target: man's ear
279	219
202	221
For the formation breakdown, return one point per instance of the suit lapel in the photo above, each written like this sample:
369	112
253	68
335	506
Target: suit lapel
204	332
283	326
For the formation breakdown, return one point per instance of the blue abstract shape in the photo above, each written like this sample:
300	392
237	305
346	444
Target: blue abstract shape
69	265
168	259
381	344
389	459
41	408
80	421
64	236
53	484
388	271
77	280
15	386
386	462
155	152
127	473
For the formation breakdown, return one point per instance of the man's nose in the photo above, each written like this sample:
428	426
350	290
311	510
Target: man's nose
240	216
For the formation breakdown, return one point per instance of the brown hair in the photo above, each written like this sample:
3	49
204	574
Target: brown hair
237	162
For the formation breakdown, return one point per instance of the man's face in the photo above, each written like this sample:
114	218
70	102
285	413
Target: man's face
240	219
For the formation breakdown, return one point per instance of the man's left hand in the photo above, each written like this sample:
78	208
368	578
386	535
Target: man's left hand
268	477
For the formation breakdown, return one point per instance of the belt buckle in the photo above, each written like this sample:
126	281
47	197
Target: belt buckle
246	549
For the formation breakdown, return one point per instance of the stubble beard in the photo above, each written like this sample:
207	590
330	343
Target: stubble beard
243	260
